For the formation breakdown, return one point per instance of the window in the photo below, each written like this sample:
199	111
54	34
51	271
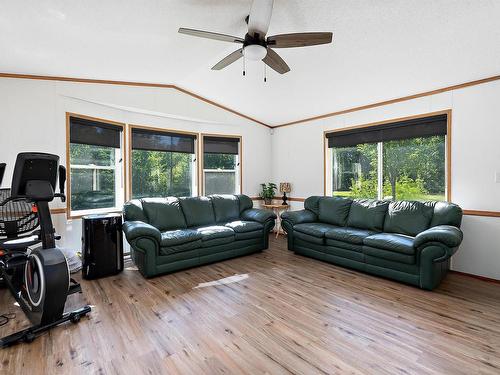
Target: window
221	165
403	160
163	163
95	158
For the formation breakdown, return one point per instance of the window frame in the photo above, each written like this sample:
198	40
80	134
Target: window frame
327	152
130	128
71	214
239	170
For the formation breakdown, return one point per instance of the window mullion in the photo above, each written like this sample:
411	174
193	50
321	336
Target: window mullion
380	170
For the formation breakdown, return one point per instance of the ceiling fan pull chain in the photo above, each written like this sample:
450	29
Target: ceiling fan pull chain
244	64
265	73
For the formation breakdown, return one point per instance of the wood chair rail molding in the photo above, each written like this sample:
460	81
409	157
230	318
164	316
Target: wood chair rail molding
300	121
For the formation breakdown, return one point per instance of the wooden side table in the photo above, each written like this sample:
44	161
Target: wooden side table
277	209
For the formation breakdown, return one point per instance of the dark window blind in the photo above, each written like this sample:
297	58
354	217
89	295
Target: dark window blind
152	140
415	128
89	132
221	145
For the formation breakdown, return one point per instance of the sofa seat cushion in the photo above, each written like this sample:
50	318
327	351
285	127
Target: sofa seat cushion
348	234
215	235
179	237
389	255
248	235
314	229
242	226
344	245
391	241
175	249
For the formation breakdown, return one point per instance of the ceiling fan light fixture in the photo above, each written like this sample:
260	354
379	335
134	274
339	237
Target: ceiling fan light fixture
255	52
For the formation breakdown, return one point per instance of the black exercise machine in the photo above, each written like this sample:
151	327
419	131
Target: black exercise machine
39	279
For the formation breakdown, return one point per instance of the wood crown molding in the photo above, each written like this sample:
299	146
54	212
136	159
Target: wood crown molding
211	102
131	83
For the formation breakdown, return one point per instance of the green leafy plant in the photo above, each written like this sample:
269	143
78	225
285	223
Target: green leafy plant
268	191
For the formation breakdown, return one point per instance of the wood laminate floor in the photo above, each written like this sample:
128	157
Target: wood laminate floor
269	313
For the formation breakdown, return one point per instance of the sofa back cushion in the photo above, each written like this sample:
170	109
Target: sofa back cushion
133	211
312	204
226	207
367	214
445	213
334	210
198	211
408	217
245	202
164	213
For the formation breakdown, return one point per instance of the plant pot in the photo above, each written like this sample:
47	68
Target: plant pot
267	200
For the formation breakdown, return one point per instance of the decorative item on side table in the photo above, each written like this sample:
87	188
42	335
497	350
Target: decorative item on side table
268	192
285	187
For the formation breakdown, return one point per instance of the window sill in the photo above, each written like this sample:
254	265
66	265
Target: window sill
81	213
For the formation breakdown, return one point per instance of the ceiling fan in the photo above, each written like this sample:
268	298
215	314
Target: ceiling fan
255	45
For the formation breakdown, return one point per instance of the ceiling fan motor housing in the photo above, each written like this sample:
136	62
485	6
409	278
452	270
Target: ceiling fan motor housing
254	48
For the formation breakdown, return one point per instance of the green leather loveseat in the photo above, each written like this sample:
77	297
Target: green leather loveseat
170	234
408	241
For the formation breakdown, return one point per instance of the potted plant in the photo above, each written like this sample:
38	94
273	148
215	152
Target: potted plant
268	192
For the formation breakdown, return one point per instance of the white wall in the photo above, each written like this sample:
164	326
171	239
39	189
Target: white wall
297	155
33	118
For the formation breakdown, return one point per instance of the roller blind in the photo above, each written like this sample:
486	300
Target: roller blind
415	128
152	140
89	132
221	145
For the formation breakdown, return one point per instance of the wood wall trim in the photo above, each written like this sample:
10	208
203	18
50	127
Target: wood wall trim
392	101
131	83
68	164
290	199
465	212
56	211
201	158
481	213
447	112
131	127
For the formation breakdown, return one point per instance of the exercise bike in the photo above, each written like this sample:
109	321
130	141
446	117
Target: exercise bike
39	279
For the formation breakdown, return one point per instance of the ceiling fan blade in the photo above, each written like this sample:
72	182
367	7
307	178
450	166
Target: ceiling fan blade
228	60
275	62
260	17
299	40
211	35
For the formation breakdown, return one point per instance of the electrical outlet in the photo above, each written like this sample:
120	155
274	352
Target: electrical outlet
497	177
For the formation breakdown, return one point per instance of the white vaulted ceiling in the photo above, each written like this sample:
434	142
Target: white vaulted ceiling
381	49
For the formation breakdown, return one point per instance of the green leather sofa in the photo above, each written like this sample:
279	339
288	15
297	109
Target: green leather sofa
408	241
170	234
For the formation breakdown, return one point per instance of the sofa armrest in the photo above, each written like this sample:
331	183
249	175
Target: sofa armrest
259	215
136	229
298	217
445	234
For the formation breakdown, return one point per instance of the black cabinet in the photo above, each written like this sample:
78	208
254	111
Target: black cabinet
102	245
